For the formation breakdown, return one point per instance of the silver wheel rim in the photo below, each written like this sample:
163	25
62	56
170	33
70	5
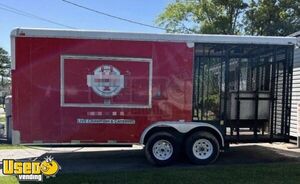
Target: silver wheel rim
202	149
162	150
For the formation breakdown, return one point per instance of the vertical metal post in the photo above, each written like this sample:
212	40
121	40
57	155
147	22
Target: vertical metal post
276	94
202	90
198	86
238	100
226	70
273	65
194	108
220	89
290	51
256	97
283	98
207	86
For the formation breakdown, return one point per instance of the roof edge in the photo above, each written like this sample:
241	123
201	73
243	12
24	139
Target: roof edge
202	38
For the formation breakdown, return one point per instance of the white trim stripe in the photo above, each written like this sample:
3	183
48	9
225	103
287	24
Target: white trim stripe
104	35
13	52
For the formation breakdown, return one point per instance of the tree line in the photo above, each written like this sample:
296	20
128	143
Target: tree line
5	80
242	17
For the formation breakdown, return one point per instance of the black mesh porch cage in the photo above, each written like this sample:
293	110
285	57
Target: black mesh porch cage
244	89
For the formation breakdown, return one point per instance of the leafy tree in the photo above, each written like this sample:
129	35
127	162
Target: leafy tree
5	80
272	17
203	16
258	17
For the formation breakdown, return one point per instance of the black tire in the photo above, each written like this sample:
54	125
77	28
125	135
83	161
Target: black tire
204	156
160	136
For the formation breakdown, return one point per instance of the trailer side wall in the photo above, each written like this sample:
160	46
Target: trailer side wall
40	115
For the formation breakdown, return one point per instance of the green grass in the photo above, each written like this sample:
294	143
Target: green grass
2	116
8	180
9	146
2	119
285	173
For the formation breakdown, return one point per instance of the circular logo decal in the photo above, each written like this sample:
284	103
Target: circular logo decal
106	81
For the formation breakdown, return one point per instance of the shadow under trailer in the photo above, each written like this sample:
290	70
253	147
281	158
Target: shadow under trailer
172	93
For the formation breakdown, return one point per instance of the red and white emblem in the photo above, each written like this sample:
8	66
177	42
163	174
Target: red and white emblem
106	81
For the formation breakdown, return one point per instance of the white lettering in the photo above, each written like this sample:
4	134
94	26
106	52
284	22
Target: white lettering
106	121
30	177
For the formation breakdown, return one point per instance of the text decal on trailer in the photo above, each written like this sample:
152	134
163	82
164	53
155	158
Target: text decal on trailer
106	121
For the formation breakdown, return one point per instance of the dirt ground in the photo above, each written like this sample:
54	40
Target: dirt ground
91	159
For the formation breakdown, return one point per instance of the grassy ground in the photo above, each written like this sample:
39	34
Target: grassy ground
286	173
9	146
2	116
8	180
2	119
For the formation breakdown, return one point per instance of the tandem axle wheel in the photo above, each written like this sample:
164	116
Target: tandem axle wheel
163	148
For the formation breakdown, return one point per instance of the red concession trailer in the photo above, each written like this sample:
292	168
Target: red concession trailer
165	91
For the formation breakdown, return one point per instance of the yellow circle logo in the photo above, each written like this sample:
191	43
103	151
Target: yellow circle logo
49	167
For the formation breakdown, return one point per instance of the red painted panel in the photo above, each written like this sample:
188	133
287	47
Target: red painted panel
134	78
37	111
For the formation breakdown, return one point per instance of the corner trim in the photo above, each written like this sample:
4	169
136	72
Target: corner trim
13	52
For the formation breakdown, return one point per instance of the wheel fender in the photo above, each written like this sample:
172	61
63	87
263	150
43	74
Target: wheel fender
182	127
